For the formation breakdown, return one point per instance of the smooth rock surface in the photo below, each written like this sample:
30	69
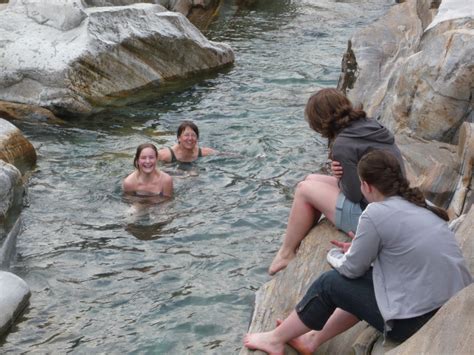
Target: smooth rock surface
110	52
417	82
14	147
10	177
278	297
31	113
13	299
448	332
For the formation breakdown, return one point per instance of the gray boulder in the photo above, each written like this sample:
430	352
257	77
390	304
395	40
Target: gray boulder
13	299
415	70
73	59
10	177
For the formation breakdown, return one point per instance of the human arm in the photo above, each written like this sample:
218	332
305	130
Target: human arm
363	250
205	151
164	155
167	185
349	182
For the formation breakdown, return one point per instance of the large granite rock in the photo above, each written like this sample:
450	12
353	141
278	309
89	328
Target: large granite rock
417	77
278	297
10	177
13	299
14	147
73	59
199	12
447	332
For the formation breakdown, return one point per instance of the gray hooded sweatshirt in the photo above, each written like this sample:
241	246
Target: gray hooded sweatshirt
417	263
351	144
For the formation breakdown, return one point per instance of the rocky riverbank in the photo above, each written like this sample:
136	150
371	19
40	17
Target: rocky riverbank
412	70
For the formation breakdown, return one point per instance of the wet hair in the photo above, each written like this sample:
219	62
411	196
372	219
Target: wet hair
139	151
381	169
328	111
186	124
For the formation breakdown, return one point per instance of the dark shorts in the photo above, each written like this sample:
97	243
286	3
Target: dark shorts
356	296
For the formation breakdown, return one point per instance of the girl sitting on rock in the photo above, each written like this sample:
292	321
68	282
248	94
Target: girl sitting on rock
417	267
147	180
351	134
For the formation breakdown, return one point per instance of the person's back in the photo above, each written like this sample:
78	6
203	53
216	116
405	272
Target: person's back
352	143
419	262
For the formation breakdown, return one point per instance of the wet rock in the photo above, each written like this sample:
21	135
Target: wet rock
31	113
416	77
13	299
46	61
10	177
14	147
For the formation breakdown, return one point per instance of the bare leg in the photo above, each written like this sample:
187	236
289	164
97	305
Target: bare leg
312	197
323	178
339	322
273	342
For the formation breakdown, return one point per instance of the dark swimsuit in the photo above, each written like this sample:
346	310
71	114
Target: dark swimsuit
174	160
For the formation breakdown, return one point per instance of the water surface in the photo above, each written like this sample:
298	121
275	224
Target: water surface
179	277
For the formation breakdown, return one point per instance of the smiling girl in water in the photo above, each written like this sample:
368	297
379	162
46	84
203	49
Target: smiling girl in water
147	180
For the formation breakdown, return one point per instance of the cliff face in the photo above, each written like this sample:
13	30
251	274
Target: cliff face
413	71
414	68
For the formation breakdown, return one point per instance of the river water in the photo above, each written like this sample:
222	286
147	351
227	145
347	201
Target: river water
179	277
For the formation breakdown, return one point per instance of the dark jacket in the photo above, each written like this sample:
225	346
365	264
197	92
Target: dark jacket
351	144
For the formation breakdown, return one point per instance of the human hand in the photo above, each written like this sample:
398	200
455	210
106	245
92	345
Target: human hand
336	169
344	246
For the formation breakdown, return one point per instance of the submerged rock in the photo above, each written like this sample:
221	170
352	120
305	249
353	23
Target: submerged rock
13	299
31	113
73	59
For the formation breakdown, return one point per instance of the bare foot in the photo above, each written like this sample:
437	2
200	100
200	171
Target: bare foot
280	262
302	344
264	342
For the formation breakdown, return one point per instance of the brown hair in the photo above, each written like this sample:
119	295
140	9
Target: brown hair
139	151
189	124
381	169
328	111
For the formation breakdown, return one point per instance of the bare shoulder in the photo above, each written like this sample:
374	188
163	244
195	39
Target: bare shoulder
164	154
207	151
167	184
166	177
129	183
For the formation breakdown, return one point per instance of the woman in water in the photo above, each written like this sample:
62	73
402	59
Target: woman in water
147	180
187	149
351	134
417	267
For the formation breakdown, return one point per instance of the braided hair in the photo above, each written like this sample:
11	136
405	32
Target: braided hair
381	169
328	111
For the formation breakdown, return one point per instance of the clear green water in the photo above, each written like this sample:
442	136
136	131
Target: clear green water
179	277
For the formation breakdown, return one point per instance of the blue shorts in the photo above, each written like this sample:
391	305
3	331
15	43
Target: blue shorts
347	214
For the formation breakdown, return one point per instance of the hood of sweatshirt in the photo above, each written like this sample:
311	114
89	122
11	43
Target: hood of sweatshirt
368	129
